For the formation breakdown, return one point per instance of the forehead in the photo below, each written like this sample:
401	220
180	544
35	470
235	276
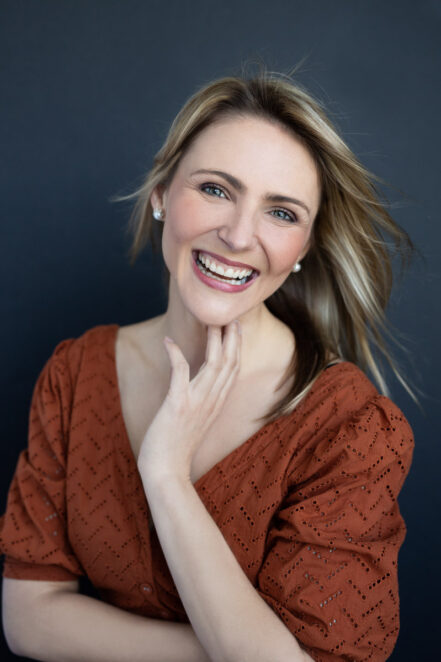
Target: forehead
256	151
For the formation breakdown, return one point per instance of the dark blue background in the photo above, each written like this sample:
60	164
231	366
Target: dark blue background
88	89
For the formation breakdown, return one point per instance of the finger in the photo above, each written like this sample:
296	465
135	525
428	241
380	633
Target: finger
213	351
221	395
211	369
180	370
213	359
203	381
232	343
228	375
230	360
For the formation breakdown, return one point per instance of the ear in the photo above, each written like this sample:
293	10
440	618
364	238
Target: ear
158	198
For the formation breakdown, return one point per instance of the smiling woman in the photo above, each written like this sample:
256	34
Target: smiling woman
234	218
225	474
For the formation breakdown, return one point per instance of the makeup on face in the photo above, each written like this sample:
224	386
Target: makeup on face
238	215
222	274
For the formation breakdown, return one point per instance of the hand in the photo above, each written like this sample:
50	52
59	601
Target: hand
190	407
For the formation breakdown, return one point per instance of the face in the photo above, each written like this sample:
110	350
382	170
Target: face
239	214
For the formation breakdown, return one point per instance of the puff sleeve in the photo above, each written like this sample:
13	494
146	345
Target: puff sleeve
330	569
33	533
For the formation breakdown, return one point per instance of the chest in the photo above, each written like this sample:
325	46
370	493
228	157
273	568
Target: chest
239	420
110	527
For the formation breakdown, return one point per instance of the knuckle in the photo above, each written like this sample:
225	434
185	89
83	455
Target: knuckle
231	358
214	362
231	363
179	405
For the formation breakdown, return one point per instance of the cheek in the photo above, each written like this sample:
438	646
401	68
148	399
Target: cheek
284	251
185	220
184	223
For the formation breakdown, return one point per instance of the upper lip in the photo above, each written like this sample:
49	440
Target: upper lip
224	260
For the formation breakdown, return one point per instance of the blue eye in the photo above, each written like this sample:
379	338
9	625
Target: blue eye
284	215
213	189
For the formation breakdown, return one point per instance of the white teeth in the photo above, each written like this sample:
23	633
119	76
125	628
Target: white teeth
230	272
233	281
210	274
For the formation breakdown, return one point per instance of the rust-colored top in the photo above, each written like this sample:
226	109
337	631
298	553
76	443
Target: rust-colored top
307	504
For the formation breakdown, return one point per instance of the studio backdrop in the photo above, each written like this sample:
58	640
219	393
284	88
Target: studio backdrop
88	89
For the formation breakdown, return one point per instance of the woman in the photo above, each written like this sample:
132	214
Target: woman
224	474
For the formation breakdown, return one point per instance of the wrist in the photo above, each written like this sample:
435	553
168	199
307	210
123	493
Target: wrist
157	475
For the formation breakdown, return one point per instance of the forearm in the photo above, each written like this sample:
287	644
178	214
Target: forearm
229	617
69	627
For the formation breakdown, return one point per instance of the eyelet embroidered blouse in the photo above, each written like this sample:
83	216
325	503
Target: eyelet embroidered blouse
307	504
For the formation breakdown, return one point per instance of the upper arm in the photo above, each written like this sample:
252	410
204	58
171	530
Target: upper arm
21	603
330	570
39	561
33	534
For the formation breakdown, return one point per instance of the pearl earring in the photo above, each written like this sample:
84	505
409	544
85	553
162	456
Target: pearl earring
296	268
158	214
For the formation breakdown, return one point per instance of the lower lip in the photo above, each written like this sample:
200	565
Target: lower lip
217	284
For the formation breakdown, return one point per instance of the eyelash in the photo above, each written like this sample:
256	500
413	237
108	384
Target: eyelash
291	216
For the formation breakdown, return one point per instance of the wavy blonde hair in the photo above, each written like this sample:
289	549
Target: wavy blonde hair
336	305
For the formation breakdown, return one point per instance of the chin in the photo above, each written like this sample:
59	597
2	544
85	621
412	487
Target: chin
214	315
211	308
215	318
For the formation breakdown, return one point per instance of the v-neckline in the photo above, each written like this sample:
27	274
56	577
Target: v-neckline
216	469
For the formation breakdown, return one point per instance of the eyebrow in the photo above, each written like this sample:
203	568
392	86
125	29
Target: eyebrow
239	186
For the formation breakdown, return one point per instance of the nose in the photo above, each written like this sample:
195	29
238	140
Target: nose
239	232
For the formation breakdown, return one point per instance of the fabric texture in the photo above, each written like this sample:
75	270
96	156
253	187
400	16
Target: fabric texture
307	504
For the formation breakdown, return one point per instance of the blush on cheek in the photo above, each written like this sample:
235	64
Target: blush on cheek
185	219
190	217
178	235
285	253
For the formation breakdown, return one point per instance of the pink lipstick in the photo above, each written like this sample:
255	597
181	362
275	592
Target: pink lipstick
218	282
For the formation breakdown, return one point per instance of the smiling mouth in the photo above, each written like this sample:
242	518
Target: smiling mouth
223	273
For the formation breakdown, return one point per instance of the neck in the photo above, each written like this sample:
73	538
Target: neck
261	332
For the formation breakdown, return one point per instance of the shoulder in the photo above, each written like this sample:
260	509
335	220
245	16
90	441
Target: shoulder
341	386
73	360
79	364
345	422
70	378
93	342
343	391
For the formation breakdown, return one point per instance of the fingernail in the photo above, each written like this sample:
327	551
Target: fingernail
167	339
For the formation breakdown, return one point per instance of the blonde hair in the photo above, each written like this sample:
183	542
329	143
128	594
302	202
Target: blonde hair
336	304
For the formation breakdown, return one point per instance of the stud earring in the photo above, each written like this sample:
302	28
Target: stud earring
296	268
158	214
